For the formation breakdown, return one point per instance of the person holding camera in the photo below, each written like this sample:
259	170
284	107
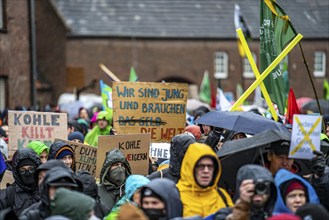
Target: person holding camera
255	195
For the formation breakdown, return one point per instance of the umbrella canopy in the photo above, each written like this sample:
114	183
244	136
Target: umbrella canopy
246	122
234	154
313	106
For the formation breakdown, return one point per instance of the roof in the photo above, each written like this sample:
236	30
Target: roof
182	18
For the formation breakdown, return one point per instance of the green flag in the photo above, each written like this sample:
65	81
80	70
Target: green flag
205	90
276	31
133	76
325	89
106	92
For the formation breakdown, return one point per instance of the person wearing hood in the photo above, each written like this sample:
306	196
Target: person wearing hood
55	178
114	173
62	151
256	195
160	200
132	194
293	192
103	127
24	191
200	173
178	146
72	204
41	149
43	168
90	188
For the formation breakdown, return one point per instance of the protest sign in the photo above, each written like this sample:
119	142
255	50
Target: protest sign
149	107
27	126
85	156
305	137
6	179
135	147
160	150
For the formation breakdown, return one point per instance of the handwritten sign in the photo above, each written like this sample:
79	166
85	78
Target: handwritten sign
27	126
135	147
160	150
305	137
149	107
85	156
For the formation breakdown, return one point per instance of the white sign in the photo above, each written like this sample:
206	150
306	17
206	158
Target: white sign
305	138
160	150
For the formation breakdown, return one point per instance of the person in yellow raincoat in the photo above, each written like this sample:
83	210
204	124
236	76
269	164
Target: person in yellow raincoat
200	173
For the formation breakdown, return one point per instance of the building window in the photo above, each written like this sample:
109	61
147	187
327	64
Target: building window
2	14
2	94
221	65
319	64
247	71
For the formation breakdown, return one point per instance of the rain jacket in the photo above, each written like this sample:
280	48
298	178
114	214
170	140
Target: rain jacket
179	145
41	210
133	183
38	147
169	195
19	196
92	136
56	147
90	188
109	192
281	178
243	210
197	200
72	204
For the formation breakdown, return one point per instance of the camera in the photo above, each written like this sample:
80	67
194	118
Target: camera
262	187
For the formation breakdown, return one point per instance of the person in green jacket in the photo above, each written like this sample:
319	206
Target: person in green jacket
103	127
41	149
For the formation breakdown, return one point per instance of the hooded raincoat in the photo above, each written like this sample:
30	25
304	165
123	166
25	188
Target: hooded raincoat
92	136
198	200
178	146
109	192
42	208
57	147
19	196
169	195
281	178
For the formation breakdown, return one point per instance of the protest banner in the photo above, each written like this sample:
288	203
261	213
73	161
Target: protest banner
85	156
27	126
149	107
160	150
135	147
7	179
305	137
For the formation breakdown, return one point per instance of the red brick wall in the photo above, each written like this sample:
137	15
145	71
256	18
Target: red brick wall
14	53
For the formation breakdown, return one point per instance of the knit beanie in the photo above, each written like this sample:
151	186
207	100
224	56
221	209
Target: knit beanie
195	130
76	135
294	185
284	216
26	162
66	150
38	147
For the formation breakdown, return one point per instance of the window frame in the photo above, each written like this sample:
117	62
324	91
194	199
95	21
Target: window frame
248	75
3	16
224	73
321	73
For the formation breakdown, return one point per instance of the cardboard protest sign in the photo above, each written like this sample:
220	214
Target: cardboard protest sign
6	179
85	156
305	137
149	107
27	126
160	150
135	147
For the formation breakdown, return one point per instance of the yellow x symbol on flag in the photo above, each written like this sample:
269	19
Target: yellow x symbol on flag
306	135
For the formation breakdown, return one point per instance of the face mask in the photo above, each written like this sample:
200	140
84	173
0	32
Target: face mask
117	176
155	214
28	177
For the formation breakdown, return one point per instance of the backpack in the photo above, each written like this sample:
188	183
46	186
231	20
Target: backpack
222	195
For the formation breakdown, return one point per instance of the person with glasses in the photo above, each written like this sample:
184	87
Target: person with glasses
199	175
24	191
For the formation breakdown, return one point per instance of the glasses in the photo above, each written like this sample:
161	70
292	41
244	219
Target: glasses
210	167
23	170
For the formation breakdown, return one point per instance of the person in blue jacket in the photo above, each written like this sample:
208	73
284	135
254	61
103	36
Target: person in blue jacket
293	192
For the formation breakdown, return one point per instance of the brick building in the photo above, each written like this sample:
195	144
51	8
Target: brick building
166	40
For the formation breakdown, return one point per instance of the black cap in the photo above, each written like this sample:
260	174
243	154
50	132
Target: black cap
64	182
280	147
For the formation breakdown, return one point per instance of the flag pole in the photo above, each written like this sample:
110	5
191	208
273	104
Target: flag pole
309	75
109	73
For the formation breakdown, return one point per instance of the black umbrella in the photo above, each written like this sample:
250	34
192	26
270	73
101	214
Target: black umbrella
313	106
246	122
